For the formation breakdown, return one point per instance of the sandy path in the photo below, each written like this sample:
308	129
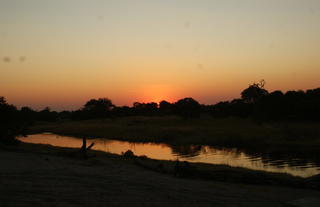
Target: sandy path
29	179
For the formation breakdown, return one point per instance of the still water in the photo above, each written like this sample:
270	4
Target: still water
192	153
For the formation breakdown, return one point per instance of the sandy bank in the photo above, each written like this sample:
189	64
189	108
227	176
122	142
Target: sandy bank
38	177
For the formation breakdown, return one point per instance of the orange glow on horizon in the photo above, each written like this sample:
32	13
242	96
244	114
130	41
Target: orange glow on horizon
157	93
149	51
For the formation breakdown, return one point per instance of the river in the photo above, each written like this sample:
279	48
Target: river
191	153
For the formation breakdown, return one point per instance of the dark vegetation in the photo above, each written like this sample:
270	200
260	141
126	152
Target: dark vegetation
12	122
256	105
255	102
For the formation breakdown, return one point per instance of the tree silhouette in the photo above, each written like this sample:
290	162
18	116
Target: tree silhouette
103	104
47	115
187	108
28	114
145	108
166	108
2	100
11	123
254	92
98	108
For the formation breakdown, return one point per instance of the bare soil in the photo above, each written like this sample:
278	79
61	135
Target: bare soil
38	177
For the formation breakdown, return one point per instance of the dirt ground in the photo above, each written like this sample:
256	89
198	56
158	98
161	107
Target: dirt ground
37	179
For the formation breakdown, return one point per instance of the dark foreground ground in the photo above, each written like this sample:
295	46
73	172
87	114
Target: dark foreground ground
44	176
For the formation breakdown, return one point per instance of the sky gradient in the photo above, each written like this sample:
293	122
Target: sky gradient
62	53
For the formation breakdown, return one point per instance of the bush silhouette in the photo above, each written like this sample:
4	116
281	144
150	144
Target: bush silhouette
187	108
11	123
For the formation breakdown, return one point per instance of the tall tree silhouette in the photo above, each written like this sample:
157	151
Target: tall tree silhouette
98	108
254	92
11	122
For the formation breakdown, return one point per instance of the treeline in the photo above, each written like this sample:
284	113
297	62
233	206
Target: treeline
255	102
292	105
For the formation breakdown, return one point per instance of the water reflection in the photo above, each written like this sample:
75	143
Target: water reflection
186	151
191	153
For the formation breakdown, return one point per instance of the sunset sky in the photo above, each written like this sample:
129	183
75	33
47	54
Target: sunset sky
61	53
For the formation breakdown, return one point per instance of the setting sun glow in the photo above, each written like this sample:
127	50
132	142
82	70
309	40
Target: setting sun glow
62	53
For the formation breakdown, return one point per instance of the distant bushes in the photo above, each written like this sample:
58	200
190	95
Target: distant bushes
186	108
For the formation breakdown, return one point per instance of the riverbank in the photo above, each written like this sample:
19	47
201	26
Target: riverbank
42	175
232	132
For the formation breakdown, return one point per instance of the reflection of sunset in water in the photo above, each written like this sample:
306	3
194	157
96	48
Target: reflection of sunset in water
193	153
